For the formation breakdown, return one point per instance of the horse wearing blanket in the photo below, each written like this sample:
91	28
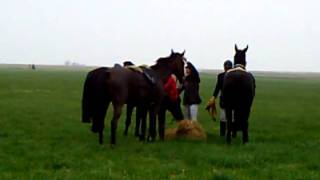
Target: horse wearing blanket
238	93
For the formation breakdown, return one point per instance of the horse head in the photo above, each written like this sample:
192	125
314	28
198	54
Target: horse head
178	61
240	56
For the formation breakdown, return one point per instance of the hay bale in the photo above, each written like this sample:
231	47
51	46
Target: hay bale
186	129
170	133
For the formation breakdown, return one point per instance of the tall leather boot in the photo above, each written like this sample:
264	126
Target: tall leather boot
223	128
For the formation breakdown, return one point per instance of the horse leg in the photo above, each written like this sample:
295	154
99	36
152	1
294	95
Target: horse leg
98	121
245	125
222	128
117	108
245	134
154	110
142	117
138	120
229	124
162	122
128	118
235	122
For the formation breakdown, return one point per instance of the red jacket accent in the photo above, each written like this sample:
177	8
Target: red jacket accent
171	89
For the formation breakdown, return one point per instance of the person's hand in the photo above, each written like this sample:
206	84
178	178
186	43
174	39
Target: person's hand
211	108
210	102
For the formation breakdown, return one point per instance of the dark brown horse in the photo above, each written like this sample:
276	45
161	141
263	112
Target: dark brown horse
121	86
238	93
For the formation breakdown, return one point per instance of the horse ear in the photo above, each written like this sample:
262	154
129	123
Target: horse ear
246	49
172	52
236	47
184	51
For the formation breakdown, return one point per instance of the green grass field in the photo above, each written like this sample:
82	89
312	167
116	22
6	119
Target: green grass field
41	136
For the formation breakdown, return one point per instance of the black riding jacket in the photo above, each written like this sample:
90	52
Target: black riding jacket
218	88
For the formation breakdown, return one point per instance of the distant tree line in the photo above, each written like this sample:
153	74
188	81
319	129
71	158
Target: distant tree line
70	63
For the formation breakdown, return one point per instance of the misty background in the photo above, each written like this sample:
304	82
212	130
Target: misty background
282	35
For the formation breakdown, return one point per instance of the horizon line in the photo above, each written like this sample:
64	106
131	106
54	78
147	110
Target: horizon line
200	69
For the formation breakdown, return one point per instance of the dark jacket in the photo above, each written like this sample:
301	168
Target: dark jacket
218	88
191	91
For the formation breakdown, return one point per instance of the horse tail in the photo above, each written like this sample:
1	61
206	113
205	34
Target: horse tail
93	93
87	99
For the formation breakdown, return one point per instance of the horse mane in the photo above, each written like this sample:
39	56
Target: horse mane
162	62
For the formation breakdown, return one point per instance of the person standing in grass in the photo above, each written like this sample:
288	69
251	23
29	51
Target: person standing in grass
223	120
191	98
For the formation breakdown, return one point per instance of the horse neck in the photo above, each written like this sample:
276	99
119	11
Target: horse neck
240	60
162	72
239	63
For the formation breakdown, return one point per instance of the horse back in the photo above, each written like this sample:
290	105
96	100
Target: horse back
127	86
238	88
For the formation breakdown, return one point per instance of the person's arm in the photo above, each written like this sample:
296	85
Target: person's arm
218	87
181	87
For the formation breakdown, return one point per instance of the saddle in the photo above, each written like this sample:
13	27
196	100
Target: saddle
135	68
145	71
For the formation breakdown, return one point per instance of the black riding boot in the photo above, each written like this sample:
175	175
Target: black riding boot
223	128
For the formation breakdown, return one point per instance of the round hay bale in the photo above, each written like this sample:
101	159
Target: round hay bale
187	129
170	133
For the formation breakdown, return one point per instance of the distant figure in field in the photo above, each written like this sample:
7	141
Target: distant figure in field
33	67
238	92
218	88
191	98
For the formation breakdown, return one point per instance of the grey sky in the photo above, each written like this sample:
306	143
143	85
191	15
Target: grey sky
282	34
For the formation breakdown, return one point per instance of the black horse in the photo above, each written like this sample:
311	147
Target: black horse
121	86
238	93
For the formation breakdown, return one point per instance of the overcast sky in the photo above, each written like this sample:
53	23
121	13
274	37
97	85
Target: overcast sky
283	35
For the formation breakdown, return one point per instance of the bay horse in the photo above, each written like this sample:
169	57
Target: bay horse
121	86
238	93
94	98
